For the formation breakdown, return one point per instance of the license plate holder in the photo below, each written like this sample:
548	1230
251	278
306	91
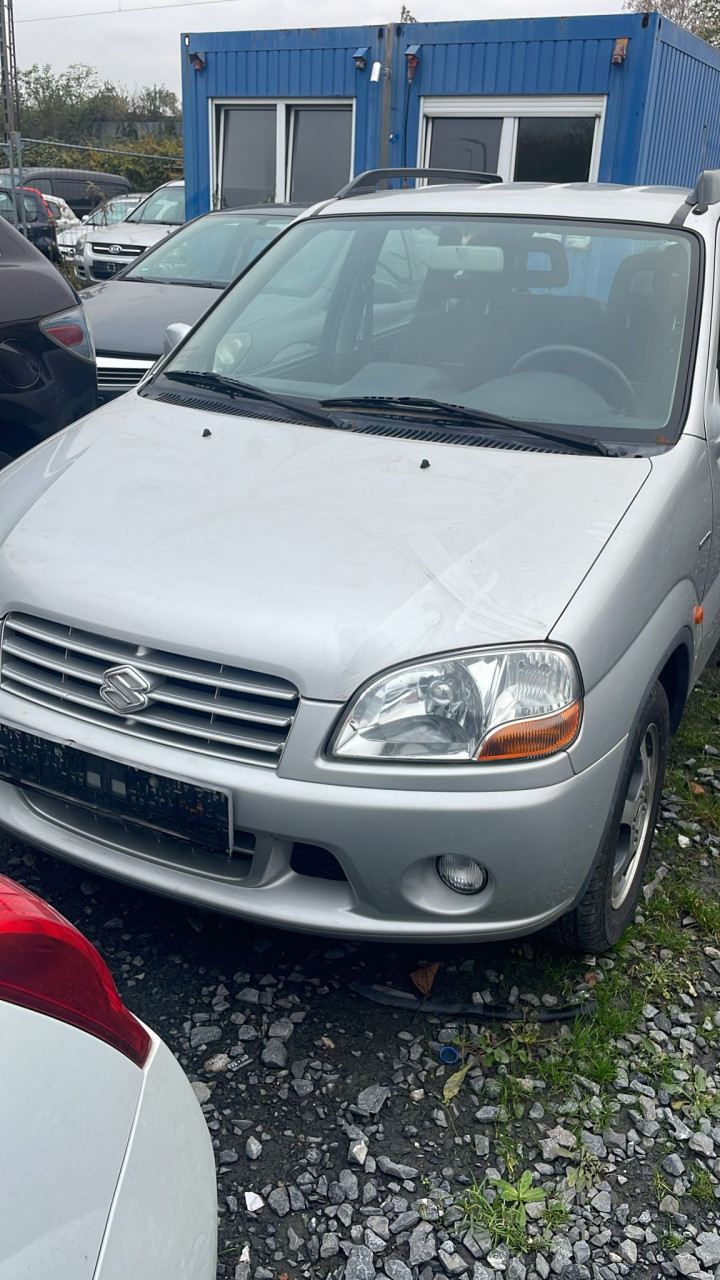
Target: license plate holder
194	814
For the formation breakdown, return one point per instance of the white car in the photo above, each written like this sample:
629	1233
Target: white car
67	223
106	251
71	242
106	1164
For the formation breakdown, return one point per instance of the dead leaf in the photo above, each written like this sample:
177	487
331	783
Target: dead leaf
424	978
454	1084
591	979
326	1043
696	789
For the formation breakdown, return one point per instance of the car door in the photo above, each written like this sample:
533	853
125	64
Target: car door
711	598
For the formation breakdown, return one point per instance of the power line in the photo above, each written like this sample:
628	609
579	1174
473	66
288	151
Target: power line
108	151
111	13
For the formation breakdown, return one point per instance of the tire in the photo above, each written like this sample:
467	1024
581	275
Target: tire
609	902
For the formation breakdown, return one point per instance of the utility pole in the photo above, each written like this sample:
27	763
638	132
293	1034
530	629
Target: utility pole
9	114
8	73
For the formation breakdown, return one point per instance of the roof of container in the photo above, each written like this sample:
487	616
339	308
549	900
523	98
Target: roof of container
572	200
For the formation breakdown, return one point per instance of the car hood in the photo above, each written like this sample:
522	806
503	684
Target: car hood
317	555
129	317
144	233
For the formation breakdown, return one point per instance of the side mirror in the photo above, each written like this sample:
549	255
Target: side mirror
173	335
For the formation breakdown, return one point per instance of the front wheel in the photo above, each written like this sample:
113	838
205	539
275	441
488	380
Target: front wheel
610	899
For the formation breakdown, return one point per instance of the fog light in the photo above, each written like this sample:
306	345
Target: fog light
462	874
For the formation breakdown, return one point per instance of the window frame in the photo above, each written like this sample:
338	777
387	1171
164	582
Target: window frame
511	110
284	130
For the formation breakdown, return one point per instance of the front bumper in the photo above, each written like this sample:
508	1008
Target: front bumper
538	842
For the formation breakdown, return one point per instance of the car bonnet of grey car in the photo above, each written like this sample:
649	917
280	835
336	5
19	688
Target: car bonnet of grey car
574	332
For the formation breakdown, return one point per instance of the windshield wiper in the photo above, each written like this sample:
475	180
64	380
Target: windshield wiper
462	415
245	391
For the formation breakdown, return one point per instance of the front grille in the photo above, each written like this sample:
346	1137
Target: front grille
117	372
130	250
201	706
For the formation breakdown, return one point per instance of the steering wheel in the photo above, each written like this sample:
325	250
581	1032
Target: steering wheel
610	381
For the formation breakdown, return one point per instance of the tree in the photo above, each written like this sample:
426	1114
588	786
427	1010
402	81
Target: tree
77	107
702	17
71	105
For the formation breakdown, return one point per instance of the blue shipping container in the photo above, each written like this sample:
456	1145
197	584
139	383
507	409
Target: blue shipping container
290	114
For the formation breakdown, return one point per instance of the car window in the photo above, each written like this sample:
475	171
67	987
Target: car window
166	205
33	211
212	251
7	208
547	321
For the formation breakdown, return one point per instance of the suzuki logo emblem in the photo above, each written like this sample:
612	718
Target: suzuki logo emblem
125	690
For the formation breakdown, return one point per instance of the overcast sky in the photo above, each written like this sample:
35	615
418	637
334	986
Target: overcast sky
140	45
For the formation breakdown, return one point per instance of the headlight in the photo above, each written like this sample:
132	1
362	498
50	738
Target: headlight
502	704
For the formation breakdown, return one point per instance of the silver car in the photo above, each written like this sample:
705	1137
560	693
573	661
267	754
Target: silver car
372	610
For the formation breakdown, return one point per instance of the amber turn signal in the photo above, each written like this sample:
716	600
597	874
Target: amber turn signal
528	739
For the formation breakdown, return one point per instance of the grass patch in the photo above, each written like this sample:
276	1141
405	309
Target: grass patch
499	1208
702	1186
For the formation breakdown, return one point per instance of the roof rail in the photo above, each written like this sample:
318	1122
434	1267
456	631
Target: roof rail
705	192
365	182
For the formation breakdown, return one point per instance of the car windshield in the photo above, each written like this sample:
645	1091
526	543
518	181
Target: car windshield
212	251
536	321
166	205
111	212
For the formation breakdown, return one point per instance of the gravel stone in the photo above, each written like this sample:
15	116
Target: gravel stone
487	1115
329	1245
516	1270
673	1165
422	1247
253	1148
602	1202
703	1143
404	1221
281	1030
279	1201
404	1171
454	1264
371	1101
201	1037
707	1248
481	1272
628	1251
396	1269
360	1263
274	1054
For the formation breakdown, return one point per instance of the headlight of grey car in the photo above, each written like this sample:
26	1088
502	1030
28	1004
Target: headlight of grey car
484	705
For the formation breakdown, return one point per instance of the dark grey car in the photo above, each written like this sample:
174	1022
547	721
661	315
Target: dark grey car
173	282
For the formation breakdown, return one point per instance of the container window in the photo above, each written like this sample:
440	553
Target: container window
465	143
248	156
320	151
554	149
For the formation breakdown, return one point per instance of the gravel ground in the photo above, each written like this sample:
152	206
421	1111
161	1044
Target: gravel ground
579	1142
